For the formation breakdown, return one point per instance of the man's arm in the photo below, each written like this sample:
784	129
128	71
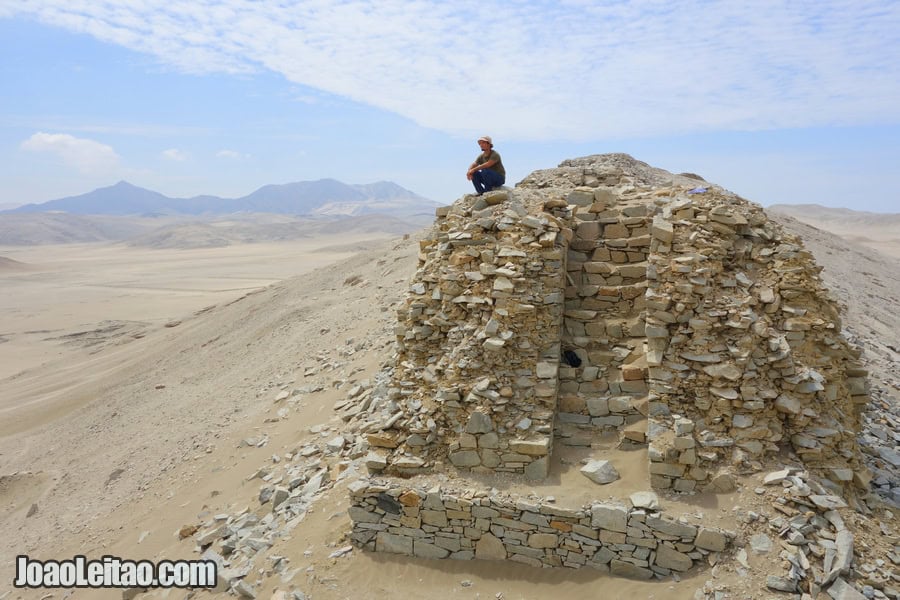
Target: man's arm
477	166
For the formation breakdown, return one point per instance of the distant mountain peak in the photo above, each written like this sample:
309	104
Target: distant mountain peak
297	198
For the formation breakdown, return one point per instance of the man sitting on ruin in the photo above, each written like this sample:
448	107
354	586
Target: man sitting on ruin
487	172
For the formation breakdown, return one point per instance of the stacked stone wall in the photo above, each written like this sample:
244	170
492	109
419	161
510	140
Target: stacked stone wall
478	339
623	541
744	348
603	382
602	295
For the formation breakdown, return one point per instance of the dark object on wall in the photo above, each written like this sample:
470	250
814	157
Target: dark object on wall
571	358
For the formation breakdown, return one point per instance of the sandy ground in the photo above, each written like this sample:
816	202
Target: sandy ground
110	447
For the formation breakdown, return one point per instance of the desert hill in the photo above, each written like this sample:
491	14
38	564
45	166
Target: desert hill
325	196
252	228
875	230
140	217
179	231
197	419
62	228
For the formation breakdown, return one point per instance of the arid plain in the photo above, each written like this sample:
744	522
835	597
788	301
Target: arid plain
131	379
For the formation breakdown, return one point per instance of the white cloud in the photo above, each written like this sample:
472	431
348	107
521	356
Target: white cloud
174	154
87	156
231	154
571	70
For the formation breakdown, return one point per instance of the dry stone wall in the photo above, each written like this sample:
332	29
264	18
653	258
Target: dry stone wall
621	540
606	294
478	339
744	348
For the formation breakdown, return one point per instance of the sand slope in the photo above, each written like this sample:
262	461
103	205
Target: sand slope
874	230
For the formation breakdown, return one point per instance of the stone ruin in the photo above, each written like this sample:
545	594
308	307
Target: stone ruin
604	295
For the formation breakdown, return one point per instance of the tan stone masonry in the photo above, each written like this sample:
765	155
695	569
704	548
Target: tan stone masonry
607	295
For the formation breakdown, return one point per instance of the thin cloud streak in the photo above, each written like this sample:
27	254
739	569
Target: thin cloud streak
551	71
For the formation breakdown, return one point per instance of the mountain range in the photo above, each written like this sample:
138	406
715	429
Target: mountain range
322	197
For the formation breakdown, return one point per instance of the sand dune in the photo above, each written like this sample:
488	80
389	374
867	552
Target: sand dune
8	265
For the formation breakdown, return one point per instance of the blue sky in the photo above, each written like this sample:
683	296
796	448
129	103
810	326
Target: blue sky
790	101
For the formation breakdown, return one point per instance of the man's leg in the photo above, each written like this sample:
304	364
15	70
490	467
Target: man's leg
478	182
491	179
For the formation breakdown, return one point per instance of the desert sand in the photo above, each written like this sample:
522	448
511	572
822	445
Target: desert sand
131	380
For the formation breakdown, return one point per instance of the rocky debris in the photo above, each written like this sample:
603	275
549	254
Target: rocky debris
880	442
290	483
808	533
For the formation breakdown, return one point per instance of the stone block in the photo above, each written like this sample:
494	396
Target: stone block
711	539
600	471
437	518
538	469
531	447
425	550
598	407
609	516
465	458
543	540
669	558
619	568
668	527
394	544
489	547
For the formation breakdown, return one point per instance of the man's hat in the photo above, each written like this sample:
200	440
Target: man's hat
486	138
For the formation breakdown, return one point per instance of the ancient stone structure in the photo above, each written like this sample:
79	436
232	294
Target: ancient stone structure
606	294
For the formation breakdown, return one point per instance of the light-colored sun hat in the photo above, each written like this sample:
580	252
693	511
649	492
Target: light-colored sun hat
486	138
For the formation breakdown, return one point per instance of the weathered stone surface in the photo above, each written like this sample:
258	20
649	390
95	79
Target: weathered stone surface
479	422
611	517
425	550
682	530
465	458
711	539
782	584
669	558
600	471
841	590
490	548
531	447
537	469
621	568
761	543
543	540
394	544
648	500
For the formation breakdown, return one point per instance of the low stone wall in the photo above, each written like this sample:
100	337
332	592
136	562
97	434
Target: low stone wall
623	541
